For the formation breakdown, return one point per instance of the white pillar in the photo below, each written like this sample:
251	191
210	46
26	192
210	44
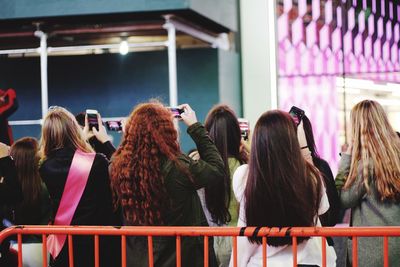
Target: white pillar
259	68
43	71
173	84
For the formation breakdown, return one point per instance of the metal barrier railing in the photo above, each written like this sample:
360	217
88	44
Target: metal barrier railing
178	232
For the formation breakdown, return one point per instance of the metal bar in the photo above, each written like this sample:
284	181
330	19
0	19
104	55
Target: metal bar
19	51
178	251
385	251
216	41
25	122
70	251
323	239
105	46
235	262
39	121
264	252
355	254
173	84
123	250
19	239
150	247
44	250
205	251
96	251
199	231
80	48
43	71
294	250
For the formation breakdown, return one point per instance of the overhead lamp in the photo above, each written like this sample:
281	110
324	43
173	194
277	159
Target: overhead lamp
123	47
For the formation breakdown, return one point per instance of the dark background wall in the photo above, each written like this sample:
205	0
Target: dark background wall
112	84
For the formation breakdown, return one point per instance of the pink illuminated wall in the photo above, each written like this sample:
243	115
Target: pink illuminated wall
320	40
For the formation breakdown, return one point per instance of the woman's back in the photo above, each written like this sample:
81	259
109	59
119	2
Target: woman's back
95	206
368	209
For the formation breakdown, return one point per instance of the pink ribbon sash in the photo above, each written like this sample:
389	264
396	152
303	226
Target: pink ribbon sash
74	186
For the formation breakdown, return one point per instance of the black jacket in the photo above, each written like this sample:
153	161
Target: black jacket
10	194
329	218
94	208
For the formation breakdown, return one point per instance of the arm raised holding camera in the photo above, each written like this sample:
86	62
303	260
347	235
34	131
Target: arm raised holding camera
103	144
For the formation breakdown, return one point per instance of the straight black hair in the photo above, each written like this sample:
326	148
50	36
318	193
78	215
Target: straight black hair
223	127
308	131
282	189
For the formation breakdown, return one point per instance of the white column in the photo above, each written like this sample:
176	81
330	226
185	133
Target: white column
43	71
173	85
259	68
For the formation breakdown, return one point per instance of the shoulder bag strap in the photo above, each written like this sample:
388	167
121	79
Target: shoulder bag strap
74	186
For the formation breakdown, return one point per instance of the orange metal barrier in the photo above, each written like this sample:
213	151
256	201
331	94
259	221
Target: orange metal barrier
178	232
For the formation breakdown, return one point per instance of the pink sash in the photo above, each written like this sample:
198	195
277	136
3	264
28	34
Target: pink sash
74	186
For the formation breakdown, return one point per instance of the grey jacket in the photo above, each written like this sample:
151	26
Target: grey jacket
368	210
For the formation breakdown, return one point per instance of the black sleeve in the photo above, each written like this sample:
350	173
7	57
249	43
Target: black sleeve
10	189
329	218
106	148
110	216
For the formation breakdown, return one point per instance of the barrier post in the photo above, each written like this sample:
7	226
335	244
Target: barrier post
178	251
264	250
123	250
71	251
294	249
19	239
44	250
385	251
150	247
205	251
323	251
96	251
235	251
355	253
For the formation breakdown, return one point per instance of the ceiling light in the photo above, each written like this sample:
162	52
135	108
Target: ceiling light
123	47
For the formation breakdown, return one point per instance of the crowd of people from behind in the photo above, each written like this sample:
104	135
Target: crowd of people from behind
75	176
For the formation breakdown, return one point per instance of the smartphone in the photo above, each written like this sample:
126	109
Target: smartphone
176	112
297	114
244	128
92	119
115	126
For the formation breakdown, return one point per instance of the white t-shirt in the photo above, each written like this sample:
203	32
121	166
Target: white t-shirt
308	252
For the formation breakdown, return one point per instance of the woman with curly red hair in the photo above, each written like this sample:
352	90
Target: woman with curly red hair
155	183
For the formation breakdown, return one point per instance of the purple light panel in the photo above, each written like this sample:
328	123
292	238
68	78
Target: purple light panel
314	41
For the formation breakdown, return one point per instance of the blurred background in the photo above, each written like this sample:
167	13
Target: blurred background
322	56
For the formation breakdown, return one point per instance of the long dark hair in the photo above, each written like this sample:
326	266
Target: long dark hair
282	188
308	131
223	128
25	153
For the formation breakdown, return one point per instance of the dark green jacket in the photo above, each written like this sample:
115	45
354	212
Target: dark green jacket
185	208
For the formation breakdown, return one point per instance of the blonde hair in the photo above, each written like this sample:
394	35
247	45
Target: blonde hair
60	129
376	147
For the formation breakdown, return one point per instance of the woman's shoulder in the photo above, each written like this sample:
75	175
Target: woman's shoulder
239	180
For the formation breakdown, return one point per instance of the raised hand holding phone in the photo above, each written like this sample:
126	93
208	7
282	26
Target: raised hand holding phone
101	133
188	116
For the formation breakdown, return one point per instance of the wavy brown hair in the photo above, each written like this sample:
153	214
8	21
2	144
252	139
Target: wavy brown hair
376	147
138	185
